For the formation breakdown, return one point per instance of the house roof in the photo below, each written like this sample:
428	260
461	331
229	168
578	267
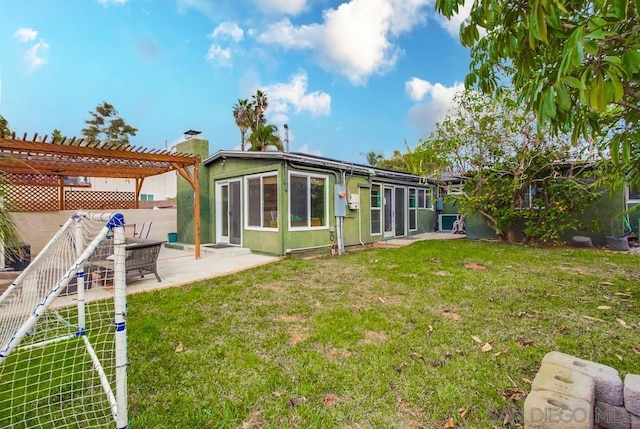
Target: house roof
305	159
78	157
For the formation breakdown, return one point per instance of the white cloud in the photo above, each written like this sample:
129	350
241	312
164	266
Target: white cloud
33	57
105	2
206	7
228	30
356	38
417	88
286	7
219	56
425	115
453	25
25	34
293	94
306	149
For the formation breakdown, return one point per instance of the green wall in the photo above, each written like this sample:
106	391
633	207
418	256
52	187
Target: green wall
185	196
596	221
356	226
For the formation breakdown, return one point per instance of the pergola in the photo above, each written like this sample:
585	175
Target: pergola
79	157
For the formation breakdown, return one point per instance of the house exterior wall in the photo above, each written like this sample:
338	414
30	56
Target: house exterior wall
356	223
601	219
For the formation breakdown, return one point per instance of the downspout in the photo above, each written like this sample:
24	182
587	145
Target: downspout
360	219
339	222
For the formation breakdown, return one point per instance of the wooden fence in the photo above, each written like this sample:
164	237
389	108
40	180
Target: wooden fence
39	193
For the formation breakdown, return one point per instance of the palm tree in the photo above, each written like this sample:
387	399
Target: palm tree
9	236
243	115
260	103
263	136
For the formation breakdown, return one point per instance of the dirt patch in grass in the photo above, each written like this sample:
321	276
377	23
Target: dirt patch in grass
297	334
273	287
330	400
474	266
255	420
289	318
374	337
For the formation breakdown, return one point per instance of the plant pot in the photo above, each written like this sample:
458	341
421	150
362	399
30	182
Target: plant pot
618	243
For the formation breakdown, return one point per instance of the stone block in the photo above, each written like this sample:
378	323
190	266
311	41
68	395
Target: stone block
609	387
544	409
564	381
632	393
635	421
611	417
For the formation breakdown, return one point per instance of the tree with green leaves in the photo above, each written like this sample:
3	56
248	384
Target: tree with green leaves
575	63
9	235
513	174
56	136
107	126
260	102
4	127
373	158
243	114
263	136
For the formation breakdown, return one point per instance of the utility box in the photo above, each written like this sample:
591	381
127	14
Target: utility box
354	201
340	200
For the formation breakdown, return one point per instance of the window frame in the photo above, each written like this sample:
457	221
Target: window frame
378	209
247	201
308	177
412	212
628	194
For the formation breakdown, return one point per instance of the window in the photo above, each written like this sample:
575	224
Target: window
413	212
530	197
633	193
307	201
376	210
262	201
424	198
146	197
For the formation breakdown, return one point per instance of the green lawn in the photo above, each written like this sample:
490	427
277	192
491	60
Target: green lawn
377	339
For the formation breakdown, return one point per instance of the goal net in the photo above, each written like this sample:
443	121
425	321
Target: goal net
63	344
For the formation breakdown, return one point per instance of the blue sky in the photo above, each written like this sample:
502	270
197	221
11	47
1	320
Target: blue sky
348	77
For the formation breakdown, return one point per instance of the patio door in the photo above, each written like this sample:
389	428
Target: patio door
229	212
400	217
388	211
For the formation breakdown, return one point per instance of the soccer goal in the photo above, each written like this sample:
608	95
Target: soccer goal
63	341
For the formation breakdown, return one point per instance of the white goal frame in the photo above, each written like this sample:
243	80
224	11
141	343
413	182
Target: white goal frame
35	297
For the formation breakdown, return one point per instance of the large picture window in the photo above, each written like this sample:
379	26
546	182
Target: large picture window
376	210
262	201
307	201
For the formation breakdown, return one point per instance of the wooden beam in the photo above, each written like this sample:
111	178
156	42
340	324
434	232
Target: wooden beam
138	189
61	201
196	211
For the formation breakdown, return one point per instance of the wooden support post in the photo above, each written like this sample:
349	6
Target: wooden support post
139	182
61	201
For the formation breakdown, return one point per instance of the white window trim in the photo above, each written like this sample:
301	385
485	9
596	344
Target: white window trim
326	201
414	208
246	201
630	200
379	209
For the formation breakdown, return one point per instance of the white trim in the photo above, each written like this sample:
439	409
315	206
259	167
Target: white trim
260	176
379	209
626	196
308	176
414	208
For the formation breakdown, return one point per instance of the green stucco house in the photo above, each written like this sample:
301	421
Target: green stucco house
280	202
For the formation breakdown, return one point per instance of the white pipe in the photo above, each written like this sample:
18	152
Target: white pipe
307	248
103	378
360	219
120	301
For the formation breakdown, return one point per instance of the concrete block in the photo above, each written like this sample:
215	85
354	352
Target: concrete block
632	393
549	410
564	381
609	387
611	417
